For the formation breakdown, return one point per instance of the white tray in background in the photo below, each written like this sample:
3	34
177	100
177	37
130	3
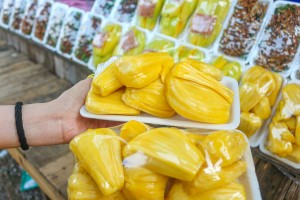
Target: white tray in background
179	121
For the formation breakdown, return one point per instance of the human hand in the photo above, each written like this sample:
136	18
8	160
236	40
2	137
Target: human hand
69	105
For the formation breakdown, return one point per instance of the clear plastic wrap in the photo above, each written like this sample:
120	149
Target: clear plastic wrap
55	25
148	13
278	45
91	24
174	16
103	7
29	17
125	10
42	20
207	21
1	5
259	89
244	26
132	42
6	12
228	67
159	43
18	14
69	32
105	42
184	51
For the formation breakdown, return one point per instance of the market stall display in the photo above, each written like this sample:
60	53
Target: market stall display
18	14
125	10
55	25
6	13
42	20
69	32
29	17
90	26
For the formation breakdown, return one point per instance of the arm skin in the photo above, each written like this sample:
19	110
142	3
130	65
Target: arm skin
55	122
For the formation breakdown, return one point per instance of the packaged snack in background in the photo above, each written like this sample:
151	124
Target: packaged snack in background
148	13
69	32
175	15
125	10
90	25
159	43
55	25
6	13
103	7
1	5
29	17
278	45
42	20
243	29
229	68
132	42
207	21
18	14
105	42
185	51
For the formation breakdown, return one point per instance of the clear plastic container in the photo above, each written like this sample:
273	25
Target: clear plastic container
29	17
287	159
276	49
41	21
18	15
6	13
103	7
91	24
125	10
185	50
55	25
161	43
69	32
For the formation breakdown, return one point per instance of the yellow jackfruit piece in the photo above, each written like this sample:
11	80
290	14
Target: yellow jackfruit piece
143	184
82	187
220	62
132	129
183	52
295	154
94	150
232	191
224	147
273	96
111	104
249	123
262	109
172	154
214	176
150	99
291	124
196	138
280	139
205	68
140	71
291	96
297	131
249	96
106	83
205	100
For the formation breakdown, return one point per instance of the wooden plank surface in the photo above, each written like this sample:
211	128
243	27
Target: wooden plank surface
23	80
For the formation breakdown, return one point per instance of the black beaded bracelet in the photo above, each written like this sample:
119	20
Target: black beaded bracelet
19	126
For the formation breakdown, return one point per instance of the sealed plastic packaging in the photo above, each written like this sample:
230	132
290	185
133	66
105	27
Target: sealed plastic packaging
1	5
105	42
42	20
175	15
278	45
184	51
125	10
148	12
18	14
220	163
207	21
132	42
6	13
259	90
160	43
282	140
29	17
103	7
68	35
90	26
55	25
239	37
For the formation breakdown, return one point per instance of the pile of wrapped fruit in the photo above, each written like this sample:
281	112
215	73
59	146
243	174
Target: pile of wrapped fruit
138	162
154	84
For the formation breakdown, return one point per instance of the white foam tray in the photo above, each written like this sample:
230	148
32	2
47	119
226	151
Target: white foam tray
177	120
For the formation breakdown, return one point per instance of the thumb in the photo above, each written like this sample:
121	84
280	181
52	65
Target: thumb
80	90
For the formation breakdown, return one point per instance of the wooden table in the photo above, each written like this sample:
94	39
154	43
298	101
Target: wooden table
23	80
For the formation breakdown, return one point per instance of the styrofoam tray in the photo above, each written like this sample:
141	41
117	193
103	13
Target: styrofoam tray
266	133
256	48
177	120
9	6
19	4
247	59
28	13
